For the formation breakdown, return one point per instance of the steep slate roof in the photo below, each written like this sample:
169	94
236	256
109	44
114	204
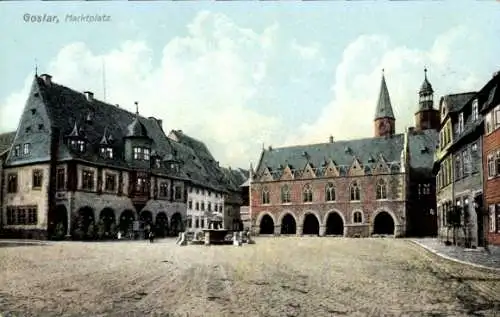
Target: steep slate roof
66	108
455	102
234	178
341	152
422	146
384	107
422	149
6	140
490	93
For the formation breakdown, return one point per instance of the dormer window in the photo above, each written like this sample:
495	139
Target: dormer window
106	152
157	163
141	154
17	150
460	123
78	145
475	110
26	149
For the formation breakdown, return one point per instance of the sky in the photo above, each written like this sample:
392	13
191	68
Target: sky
242	75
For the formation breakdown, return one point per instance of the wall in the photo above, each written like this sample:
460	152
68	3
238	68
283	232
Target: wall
26	195
395	204
491	143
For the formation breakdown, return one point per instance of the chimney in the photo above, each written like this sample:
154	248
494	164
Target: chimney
411	129
331	139
89	95
47	79
496	73
117	105
270	148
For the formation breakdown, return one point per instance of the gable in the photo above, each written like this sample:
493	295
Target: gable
381	166
33	129
331	170
287	173
356	169
308	172
266	175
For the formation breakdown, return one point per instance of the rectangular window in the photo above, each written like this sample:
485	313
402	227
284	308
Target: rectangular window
489	123
26	149
178	192
141	153
460	123
197	206
466	162
137	153
475	110
163	189
497	163
60	179
202	206
22	215
190	204
497	117
12	183
491	166
493	218
17	150
458	167
87	180
497	224
110	183
209	207
141	185
107	152
37	179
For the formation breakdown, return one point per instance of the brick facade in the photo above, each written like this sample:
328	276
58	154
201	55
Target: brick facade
491	144
370	207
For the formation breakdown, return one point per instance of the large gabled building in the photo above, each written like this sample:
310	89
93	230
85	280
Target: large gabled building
78	165
377	185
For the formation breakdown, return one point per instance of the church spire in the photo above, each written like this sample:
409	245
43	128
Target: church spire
384	107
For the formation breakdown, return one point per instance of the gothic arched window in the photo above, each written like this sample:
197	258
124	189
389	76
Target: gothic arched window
357	217
265	195
307	193
285	194
355	193
381	189
330	192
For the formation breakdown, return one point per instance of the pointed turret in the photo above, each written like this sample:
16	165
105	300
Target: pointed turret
426	116
385	121
384	107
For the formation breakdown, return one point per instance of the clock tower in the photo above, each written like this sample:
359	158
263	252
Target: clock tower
385	122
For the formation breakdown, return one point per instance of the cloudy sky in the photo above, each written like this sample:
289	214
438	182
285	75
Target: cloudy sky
241	74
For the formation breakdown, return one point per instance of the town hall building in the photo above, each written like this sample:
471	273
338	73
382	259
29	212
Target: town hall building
378	185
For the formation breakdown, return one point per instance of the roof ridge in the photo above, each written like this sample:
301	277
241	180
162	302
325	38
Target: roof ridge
337	142
102	102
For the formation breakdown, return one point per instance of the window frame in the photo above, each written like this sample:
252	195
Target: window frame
354	191
37	179
330	194
381	193
88	179
307	194
285	194
110	178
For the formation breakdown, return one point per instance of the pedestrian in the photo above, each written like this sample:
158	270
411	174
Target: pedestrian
151	236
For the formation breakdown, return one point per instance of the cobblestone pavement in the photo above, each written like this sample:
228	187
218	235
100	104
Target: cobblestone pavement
280	277
479	256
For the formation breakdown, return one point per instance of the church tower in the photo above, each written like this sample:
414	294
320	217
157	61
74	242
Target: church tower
426	117
384	123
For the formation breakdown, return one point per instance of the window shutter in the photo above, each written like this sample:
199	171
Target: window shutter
492	218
